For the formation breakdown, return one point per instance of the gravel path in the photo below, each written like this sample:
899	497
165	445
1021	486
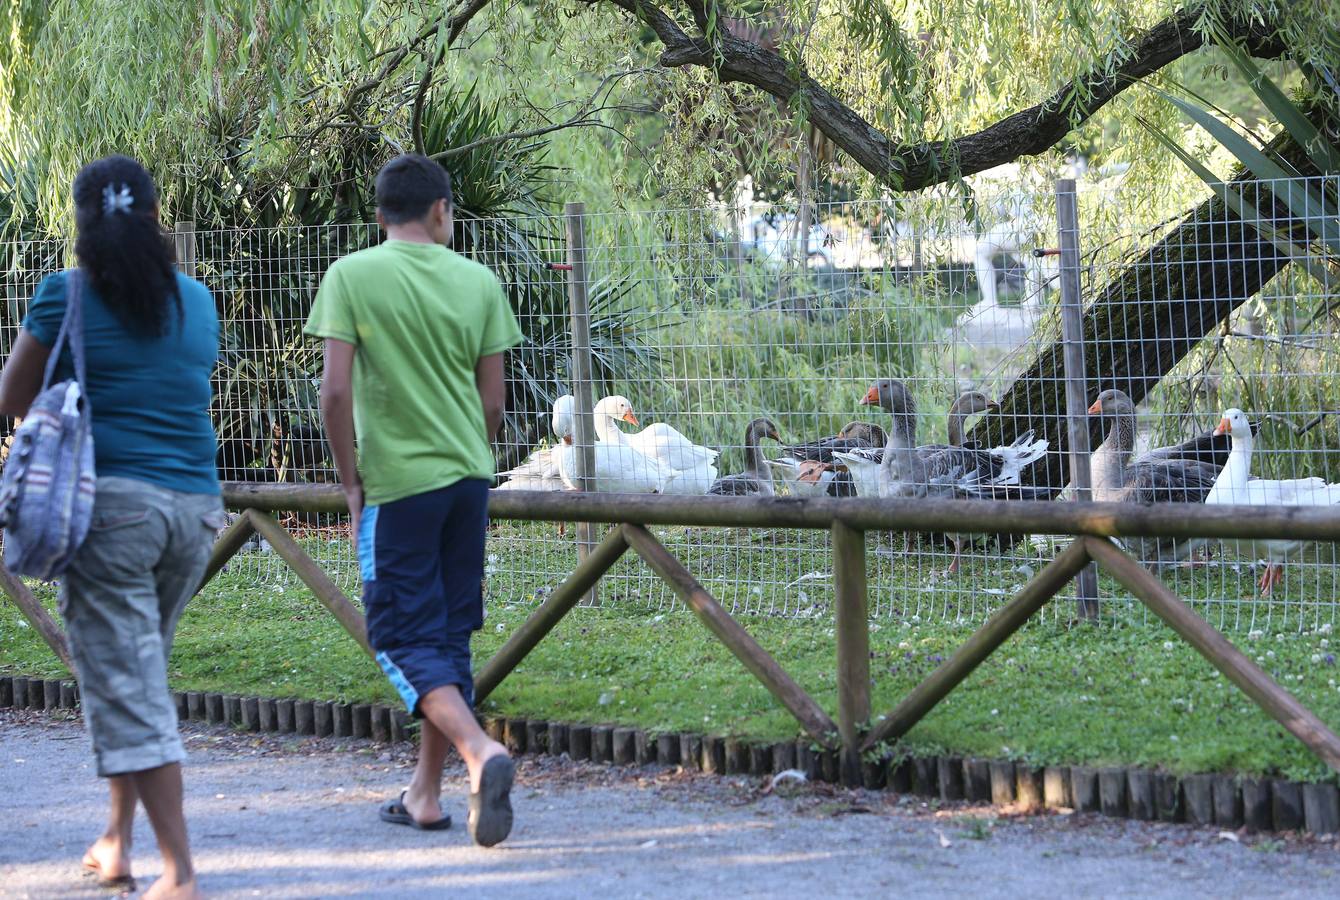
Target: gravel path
297	818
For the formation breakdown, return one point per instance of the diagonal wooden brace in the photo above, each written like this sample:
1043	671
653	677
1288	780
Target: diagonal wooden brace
924	697
233	539
566	596
314	577
791	695
1282	706
37	615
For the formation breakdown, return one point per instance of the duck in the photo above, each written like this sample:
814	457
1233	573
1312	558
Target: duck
1235	485
1147	480
813	470
902	471
967	404
1002	465
693	466
812	478
539	471
853	436
756	479
619	468
1210	447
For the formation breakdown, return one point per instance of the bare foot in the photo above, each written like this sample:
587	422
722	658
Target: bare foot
162	889
477	756
108	859
424	808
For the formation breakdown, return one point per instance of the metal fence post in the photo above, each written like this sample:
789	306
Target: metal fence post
1076	385
183	238
584	431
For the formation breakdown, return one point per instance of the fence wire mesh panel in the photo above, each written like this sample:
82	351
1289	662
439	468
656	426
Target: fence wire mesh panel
266	387
706	320
1264	378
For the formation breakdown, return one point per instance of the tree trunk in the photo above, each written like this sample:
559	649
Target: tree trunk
1148	317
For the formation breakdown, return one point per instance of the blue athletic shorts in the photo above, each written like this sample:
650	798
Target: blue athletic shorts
422	561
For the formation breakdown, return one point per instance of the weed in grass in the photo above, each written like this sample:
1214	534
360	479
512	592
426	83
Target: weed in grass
974	828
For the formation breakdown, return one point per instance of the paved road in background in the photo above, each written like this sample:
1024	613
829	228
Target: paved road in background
288	818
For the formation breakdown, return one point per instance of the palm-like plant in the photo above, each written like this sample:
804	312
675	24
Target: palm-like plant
264	255
264	238
1299	214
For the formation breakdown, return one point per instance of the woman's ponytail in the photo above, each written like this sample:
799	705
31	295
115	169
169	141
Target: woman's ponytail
121	246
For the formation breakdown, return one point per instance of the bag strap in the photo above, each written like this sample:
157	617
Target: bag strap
71	331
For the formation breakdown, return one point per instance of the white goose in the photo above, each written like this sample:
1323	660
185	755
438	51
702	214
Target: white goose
620	469
692	466
539	472
1236	486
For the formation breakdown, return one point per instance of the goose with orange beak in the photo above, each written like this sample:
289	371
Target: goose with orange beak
689	468
1236	486
620	469
905	469
1146	481
998	466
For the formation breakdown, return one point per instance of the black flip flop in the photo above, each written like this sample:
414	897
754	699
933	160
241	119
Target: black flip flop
394	811
490	819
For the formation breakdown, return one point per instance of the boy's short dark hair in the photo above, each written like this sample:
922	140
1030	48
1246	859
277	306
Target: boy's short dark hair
408	186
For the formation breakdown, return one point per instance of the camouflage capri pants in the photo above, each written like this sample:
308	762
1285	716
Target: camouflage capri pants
121	597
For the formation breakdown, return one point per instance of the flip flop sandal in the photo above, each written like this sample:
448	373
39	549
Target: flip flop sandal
490	819
394	811
119	883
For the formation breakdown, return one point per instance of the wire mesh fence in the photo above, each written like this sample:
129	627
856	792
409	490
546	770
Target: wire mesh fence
709	319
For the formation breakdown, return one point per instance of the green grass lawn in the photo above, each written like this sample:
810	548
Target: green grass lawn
1123	692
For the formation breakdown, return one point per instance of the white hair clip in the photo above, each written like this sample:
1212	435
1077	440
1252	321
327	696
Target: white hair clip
114	201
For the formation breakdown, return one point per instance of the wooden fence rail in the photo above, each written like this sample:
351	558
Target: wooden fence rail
1186	520
854	734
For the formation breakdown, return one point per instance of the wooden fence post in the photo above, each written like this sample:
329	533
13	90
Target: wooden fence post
852	621
1076	386
183	239
227	545
584	431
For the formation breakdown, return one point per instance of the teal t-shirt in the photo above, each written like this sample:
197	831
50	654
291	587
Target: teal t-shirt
420	317
148	396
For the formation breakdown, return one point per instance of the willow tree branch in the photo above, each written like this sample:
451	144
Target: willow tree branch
699	12
454	24
586	115
913	166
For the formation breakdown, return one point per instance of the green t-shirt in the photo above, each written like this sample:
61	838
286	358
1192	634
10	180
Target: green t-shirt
421	316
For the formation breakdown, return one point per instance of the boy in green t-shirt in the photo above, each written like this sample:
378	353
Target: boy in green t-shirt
414	341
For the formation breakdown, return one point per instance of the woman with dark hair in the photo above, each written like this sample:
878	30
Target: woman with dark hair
150	343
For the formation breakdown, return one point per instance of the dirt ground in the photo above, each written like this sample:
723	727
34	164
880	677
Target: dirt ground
276	817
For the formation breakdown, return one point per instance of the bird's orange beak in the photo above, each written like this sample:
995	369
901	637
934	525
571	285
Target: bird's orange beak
775	436
1096	408
1224	427
871	397
567	439
630	418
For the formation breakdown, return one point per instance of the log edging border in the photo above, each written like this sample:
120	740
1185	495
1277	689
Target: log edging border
1133	792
